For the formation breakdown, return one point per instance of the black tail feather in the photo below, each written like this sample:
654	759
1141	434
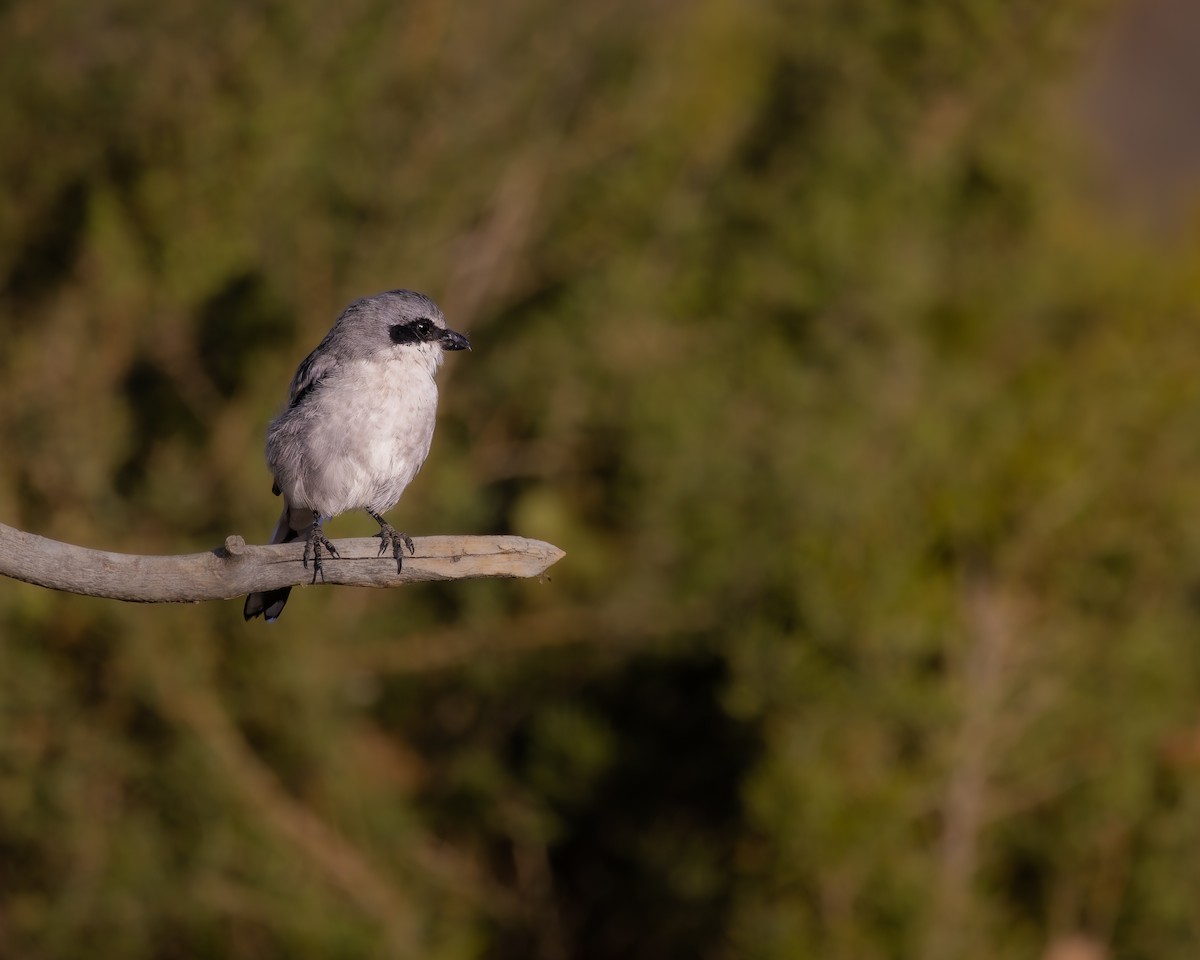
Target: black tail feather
270	603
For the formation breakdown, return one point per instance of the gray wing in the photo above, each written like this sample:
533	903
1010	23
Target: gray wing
316	367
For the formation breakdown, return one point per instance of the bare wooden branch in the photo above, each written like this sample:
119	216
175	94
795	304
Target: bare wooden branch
236	568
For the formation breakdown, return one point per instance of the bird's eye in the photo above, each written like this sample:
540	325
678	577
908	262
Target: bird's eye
420	330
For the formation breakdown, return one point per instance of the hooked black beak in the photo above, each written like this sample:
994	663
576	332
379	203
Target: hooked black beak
450	340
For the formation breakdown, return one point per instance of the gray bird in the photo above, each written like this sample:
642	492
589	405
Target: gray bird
358	425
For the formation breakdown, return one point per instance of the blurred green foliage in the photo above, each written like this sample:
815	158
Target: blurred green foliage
871	438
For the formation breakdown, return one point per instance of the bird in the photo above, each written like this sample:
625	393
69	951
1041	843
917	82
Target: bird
357	426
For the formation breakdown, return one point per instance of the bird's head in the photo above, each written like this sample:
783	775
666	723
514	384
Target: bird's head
405	324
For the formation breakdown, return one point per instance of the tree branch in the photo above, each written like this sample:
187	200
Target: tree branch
237	569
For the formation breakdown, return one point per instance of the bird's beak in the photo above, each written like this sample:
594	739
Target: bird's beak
453	341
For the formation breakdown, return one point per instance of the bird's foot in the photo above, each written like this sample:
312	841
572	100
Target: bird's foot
389	536
314	544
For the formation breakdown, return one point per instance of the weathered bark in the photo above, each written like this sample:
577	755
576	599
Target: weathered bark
236	569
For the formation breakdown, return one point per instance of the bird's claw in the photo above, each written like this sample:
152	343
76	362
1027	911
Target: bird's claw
316	540
389	536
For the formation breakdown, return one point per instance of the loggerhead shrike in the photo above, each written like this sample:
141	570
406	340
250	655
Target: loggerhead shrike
358	424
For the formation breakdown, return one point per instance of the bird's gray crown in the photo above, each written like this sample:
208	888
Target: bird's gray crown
401	316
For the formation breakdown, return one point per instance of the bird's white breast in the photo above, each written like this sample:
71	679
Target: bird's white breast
366	433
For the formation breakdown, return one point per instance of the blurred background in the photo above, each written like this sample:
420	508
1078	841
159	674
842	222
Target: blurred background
849	349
